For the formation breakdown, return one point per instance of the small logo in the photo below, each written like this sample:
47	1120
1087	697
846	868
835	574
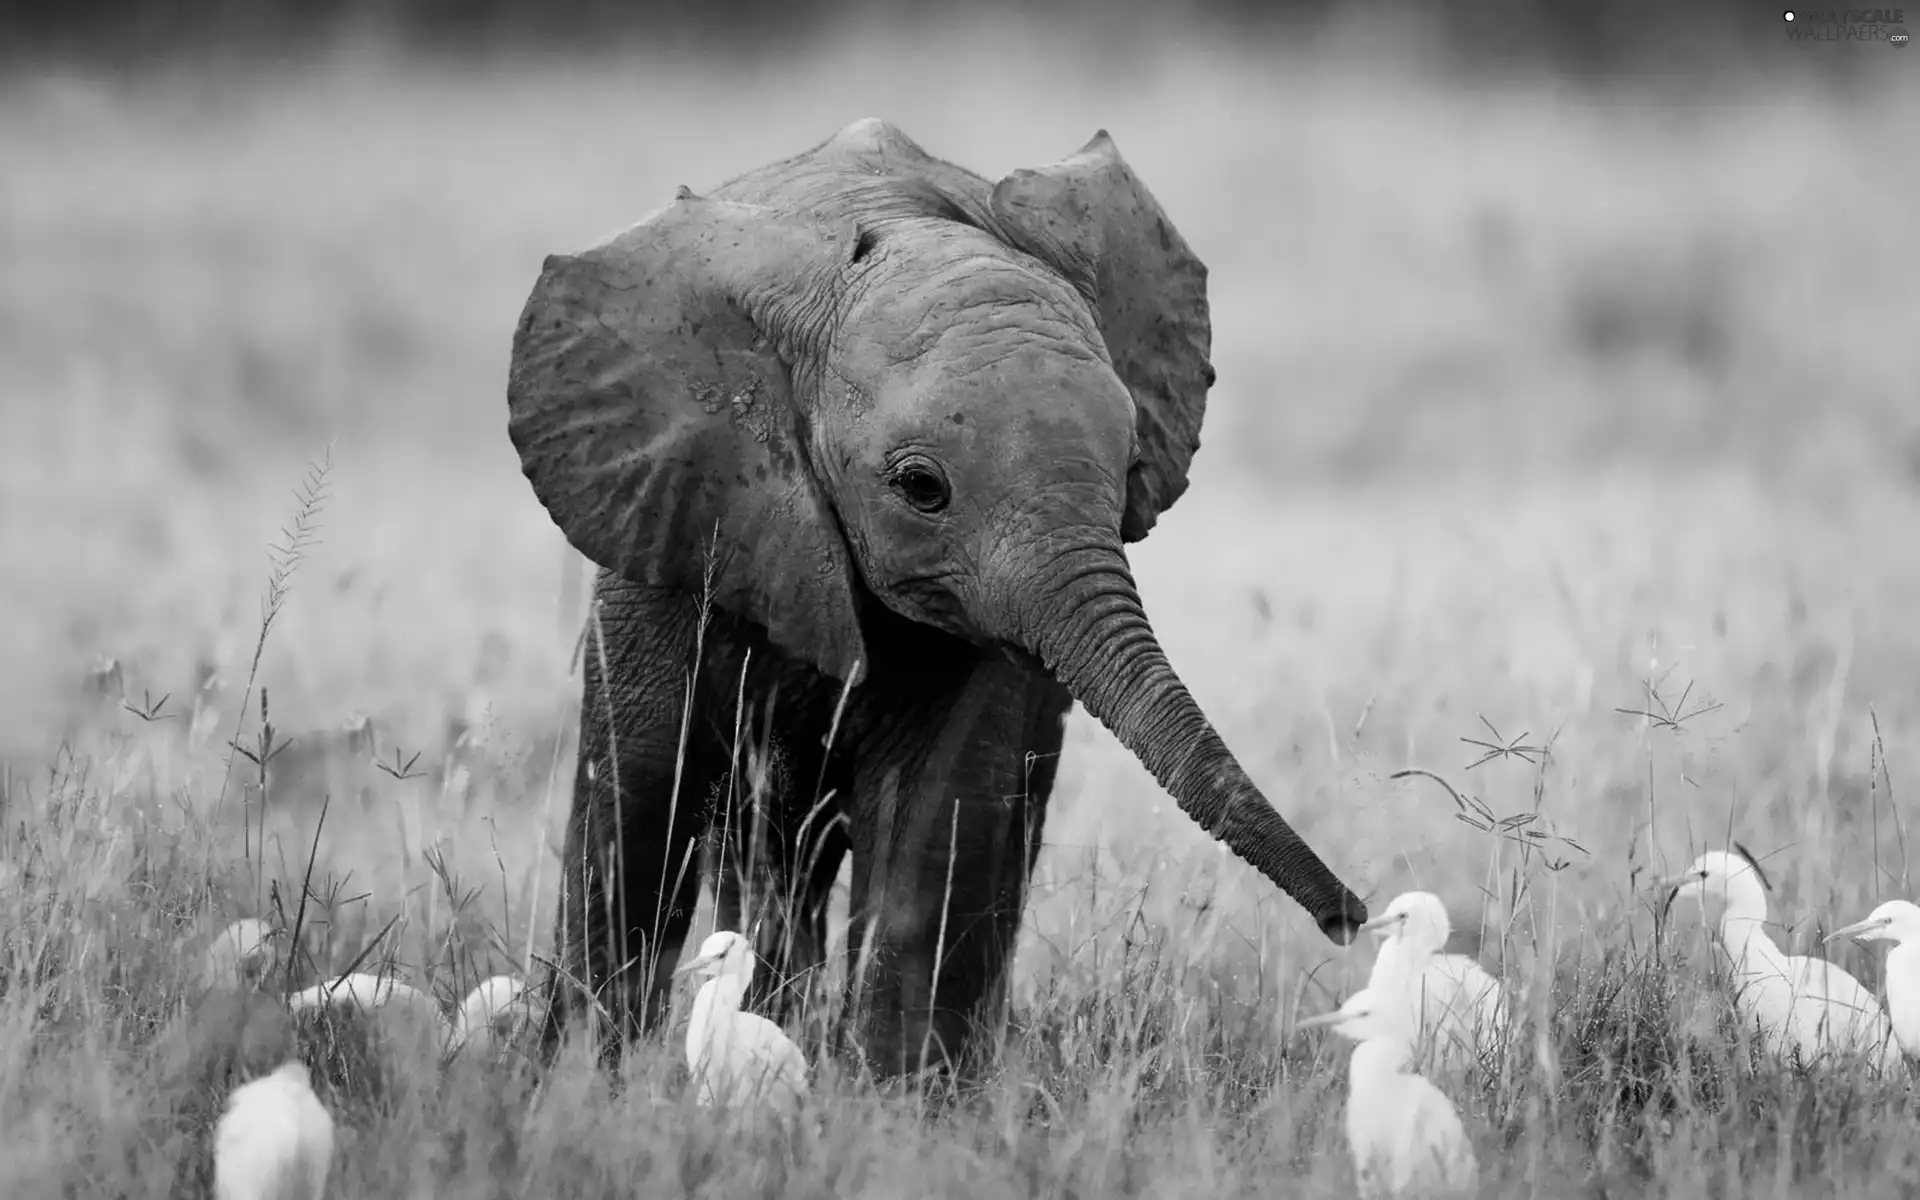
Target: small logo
1847	25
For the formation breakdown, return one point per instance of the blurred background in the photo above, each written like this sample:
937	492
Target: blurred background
1559	347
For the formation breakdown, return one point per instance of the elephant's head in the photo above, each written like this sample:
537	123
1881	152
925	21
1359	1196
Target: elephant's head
863	369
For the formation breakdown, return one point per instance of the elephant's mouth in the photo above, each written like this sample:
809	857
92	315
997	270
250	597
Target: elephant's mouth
1021	657
934	600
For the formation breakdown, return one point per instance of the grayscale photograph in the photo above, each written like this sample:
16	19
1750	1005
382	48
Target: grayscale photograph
846	600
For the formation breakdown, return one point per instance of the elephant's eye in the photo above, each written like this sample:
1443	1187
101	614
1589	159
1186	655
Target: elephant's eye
922	485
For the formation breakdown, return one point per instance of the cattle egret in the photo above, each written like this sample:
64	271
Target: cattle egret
240	955
1449	998
363	992
1896	921
1403	1133
1798	1005
366	995
736	1055
493	1013
274	1141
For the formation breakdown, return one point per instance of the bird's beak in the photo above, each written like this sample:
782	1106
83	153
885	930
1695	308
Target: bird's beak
1383	924
705	960
1326	1018
1854	930
1671	885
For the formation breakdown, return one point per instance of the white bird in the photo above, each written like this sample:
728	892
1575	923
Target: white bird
493	1013
274	1141
241	954
1896	921
1403	1132
1450	999
736	1055
364	992
413	1009
1797	1004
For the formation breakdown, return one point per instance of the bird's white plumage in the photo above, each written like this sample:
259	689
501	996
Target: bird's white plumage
494	1012
1405	1137
1796	1004
737	1057
1896	921
389	1005
491	1014
365	992
1451	1002
274	1141
239	954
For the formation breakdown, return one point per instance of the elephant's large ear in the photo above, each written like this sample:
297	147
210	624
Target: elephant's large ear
653	407
1090	218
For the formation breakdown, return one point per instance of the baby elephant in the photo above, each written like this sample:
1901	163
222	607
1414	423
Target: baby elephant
858	440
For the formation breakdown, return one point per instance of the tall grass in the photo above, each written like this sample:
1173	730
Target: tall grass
1137	1070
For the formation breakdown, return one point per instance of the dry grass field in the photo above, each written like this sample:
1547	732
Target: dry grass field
1534	407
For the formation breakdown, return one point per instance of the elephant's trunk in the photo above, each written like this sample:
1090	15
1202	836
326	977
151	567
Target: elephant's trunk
1086	623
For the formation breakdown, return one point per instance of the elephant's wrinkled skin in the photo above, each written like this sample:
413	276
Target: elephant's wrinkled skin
897	423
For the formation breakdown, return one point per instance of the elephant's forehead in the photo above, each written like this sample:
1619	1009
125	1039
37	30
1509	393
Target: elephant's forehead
1042	374
1046	377
965	304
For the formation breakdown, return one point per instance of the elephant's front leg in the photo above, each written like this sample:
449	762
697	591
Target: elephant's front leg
949	824
777	835
780	851
630	879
